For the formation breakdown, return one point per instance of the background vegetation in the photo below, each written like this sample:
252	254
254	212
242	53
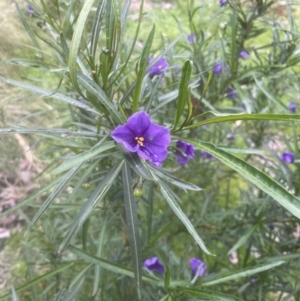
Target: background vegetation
71	72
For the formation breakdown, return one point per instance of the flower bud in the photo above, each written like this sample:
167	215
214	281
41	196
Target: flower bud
137	192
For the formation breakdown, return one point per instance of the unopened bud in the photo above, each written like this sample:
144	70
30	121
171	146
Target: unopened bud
137	192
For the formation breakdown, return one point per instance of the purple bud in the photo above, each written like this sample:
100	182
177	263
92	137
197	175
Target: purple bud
191	38
230	137
30	10
218	69
154	264
159	68
198	267
244	55
288	157
223	2
185	152
206	155
231	93
292	107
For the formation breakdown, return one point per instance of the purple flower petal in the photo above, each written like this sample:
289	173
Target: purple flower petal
288	157
218	69
159	68
148	139
154	264
186	154
191	38
231	93
198	267
292	107
223	2
244	54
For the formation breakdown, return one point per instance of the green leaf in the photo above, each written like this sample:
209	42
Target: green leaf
75	44
244	273
39	279
242	240
258	178
27	27
141	72
85	156
48	93
183	94
93	88
110	266
132	225
173	180
65	179
234	117
97	195
97	27
207	294
169	196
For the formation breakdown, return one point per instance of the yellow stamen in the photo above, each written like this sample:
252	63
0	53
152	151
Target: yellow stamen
140	140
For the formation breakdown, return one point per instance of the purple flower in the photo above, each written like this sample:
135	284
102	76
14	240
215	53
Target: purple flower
176	69
187	152
292	107
223	2
154	264
198	267
218	69
230	137
140	135
30	10
191	38
159	68
206	155
231	93
288	157
244	54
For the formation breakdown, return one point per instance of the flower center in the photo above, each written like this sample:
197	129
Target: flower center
140	140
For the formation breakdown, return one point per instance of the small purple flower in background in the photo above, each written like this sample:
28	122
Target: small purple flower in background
206	155
30	10
198	267
159	68
231	93
154	264
176	69
218	69
230	138
292	107
223	2
140	135
191	38
244	54
187	153
288	157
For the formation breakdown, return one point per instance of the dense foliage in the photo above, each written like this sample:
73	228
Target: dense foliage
174	169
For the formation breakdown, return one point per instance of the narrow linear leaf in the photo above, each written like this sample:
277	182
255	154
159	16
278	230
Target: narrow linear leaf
97	26
173	180
75	291
65	179
48	93
97	195
132	225
84	157
258	178
75	43
39	279
93	88
242	240
183	93
235	117
141	72
27	27
243	273
180	214
111	266
208	295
